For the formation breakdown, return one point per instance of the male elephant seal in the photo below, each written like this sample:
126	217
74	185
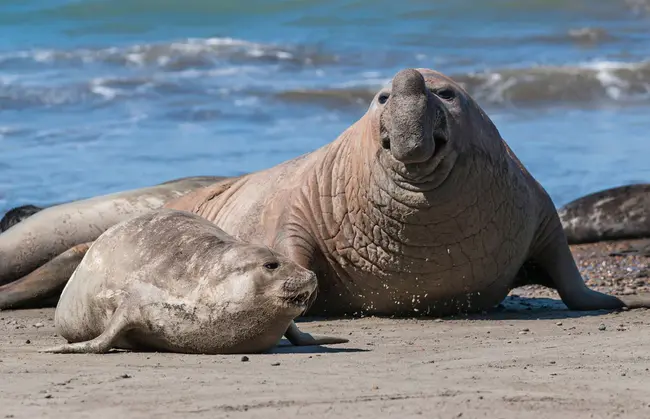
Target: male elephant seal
54	240
172	281
419	207
611	214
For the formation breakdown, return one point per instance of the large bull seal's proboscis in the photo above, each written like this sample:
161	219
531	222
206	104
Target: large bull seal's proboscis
172	281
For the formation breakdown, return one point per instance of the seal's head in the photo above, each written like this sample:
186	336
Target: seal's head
270	280
422	121
16	215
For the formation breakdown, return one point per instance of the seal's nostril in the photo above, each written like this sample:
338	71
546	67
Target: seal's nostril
385	143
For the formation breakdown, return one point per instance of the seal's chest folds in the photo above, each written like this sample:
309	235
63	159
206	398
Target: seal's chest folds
441	256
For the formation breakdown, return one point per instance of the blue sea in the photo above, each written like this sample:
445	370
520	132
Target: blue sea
98	96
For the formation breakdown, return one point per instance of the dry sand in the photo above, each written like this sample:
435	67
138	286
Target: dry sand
530	359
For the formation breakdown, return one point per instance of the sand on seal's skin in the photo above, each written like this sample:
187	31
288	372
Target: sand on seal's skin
525	361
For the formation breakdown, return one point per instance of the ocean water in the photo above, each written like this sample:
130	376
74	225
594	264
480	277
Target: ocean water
98	96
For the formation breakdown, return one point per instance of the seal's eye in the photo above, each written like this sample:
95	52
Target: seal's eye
383	98
271	266
446	94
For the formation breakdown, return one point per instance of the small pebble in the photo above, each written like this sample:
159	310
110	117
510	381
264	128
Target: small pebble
48	396
244	358
602	327
28	341
558	324
525	330
125	376
37	325
438	320
275	364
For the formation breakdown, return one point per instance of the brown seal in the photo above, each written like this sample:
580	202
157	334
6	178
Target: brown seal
172	281
419	207
611	214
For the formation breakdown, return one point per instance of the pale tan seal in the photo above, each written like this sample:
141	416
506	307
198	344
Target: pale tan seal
39	253
172	281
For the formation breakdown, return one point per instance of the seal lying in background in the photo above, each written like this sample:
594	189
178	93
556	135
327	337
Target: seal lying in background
611	214
419	207
16	215
60	235
172	281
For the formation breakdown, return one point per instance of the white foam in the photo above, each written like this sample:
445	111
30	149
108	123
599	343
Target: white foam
97	87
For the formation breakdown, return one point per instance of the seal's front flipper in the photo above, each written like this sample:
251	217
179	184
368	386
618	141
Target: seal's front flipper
554	257
120	323
46	281
298	338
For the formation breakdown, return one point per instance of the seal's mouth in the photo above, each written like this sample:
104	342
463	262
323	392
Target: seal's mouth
424	172
300	300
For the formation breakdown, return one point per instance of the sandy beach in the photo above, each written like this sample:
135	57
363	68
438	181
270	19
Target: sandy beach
530	358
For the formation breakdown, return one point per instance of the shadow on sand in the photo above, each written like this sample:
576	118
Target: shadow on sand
511	308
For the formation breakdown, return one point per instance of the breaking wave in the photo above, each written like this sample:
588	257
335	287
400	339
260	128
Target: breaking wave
174	56
602	82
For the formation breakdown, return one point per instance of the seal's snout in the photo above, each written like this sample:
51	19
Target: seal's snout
408	108
300	288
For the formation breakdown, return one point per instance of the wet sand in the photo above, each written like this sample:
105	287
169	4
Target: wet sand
531	358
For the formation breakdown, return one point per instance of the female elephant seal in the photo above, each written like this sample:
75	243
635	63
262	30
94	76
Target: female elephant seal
419	207
39	253
172	281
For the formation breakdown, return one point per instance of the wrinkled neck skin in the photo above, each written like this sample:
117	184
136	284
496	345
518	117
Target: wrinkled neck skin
392	241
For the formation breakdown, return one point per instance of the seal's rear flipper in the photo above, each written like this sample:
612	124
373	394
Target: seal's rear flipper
298	338
119	324
46	281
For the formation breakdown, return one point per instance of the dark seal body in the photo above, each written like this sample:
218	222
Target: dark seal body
611	214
